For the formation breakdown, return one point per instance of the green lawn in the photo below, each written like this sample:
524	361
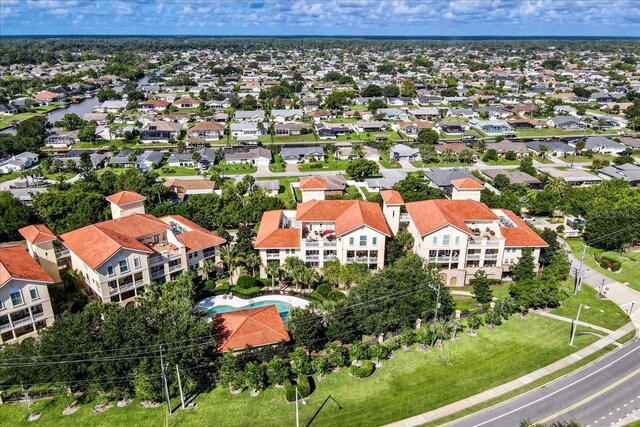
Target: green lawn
586	159
501	161
353	193
5	121
9	176
601	312
629	273
235	169
541	159
388	163
329	165
289	138
438	164
176	171
369	194
410	383
391	134
284	192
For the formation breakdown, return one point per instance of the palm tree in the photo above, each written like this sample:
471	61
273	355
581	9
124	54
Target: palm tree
543	151
273	270
196	156
208	267
357	151
294	267
580	146
231	257
557	185
449	156
481	146
252	261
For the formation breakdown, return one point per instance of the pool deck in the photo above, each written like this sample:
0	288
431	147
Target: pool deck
237	302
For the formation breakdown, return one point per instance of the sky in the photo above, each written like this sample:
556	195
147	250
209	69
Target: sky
322	17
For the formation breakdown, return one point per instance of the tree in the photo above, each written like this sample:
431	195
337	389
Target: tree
490	155
415	187
391	91
427	136
338	98
360	169
501	181
525	267
408	88
427	153
449	156
473	323
375	104
87	133
232	258
371	91
307	328
481	289
254	376
398	246
71	121
13	215
320	365
294	266
208	268
196	157
252	261
526	166
277	371
466	156
273	270
300	362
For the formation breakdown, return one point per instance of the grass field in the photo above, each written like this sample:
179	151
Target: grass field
330	165
501	162
629	273
410	383
266	139
176	171
235	169
388	163
438	164
9	176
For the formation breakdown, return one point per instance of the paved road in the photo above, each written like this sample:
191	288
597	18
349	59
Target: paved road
599	394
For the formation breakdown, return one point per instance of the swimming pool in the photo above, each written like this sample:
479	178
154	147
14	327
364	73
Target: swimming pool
282	307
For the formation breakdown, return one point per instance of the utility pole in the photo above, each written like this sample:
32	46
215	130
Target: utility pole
631	309
164	382
579	273
297	410
435	317
180	386
601	287
575	325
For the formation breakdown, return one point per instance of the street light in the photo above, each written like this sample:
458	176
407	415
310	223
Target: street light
304	402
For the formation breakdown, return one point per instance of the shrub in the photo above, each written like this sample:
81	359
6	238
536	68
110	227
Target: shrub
324	290
597	256
317	297
247	293
365	369
336	296
222	289
316	165
604	263
289	391
616	266
246	282
304	386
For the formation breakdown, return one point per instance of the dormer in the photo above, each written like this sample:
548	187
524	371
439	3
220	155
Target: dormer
466	189
126	203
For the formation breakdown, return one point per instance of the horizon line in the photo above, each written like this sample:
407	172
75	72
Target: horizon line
489	36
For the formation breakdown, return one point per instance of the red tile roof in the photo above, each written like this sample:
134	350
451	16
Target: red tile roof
254	327
347	214
466	184
208	126
270	235
392	197
125	197
521	235
430	215
136	226
37	233
16	263
45	94
313	184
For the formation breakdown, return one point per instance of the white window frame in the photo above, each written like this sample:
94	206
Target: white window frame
136	262
434	240
363	241
374	240
352	241
457	240
33	289
111	271
446	240
13	292
126	263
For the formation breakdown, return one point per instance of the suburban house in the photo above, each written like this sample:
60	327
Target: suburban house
97	160
156	105
566	122
207	130
515	177
294	155
393	113
148	159
404	152
525	123
181	188
318	188
462	235
554	147
25	306
250	116
425	113
492	127
114	106
627	172
443	178
8	110
350	231
291	128
452	127
62	139
271	187
281	116
411	129
255	156
253	327
119	257
160	131
18	162
332	130
572	176
344	151
186	102
245	131
601	144
505	146
48	96
370	126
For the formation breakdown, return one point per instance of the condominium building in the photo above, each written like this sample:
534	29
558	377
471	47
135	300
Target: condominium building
317	231
463	235
119	257
25	306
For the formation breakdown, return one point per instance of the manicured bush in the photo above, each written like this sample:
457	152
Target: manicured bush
324	290
289	391
316	165
365	369
222	289
246	293
598	257
336	296
246	282
317	297
304	386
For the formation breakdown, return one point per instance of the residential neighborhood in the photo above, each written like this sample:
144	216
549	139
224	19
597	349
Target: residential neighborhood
195	229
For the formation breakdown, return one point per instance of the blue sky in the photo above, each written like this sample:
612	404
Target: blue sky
322	17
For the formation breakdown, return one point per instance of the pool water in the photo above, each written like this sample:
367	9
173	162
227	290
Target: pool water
282	307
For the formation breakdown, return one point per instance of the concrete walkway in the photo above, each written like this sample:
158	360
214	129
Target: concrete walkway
487	395
568	320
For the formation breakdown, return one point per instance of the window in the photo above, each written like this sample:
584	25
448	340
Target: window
351	241
33	292
1	305
16	297
446	239
374	241
363	240
110	270
136	262
457	240
434	240
124	266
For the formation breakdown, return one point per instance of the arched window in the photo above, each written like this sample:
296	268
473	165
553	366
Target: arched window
33	292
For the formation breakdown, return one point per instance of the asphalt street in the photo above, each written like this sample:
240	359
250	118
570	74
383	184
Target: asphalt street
599	394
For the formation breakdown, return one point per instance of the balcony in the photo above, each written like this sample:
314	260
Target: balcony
38	316
21	322
176	267
483	243
156	259
5	327
273	256
473	256
330	258
491	256
62	253
364	259
312	257
157	274
404	217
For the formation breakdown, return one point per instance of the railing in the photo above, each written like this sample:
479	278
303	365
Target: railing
312	243
491	256
363	259
156	259
208	254
126	287
312	257
158	274
173	254
475	243
5	327
325	243
175	267
404	217
139	282
330	257
473	256
37	316
273	256
62	253
21	322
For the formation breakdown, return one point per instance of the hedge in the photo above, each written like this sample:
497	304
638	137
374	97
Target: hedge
323	290
249	293
222	289
336	296
246	282
303	385
317	297
365	369
609	262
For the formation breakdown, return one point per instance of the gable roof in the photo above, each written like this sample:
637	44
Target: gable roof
253	327
466	184
431	215
313	183
38	233
521	235
16	263
270	235
347	214
392	197
125	197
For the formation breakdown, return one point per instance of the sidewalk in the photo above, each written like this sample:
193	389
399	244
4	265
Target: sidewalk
514	384
568	320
